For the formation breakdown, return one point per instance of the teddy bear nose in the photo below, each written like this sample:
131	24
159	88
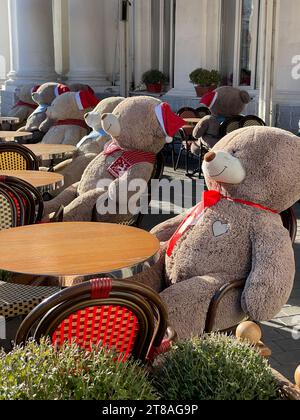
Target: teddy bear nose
103	117
209	157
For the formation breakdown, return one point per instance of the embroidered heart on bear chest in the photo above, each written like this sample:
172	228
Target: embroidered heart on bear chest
220	228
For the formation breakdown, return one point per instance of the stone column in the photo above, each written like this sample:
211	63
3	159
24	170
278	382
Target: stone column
197	41
87	48
4	42
31	42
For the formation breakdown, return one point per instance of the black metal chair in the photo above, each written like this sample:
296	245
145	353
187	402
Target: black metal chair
290	223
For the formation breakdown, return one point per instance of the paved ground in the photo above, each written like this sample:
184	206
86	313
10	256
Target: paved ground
278	334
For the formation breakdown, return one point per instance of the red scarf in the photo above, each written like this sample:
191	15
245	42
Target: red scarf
21	103
209	199
79	123
127	159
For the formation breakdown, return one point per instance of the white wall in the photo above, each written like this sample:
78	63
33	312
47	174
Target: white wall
288	39
4	40
197	40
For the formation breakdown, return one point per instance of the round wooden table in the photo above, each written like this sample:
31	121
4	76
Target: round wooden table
192	121
51	151
10	120
13	135
43	181
74	252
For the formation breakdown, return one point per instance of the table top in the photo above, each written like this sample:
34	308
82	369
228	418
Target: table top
77	250
192	120
50	151
14	134
9	119
38	179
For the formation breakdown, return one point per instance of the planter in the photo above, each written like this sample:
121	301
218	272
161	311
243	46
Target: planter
201	90
289	391
154	87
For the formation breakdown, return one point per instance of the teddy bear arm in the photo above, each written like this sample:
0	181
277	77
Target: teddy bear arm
81	209
46	124
202	127
65	198
166	230
188	303
270	282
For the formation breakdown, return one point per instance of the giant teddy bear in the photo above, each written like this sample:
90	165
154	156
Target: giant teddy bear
236	233
67	117
139	128
25	105
90	146
43	97
224	102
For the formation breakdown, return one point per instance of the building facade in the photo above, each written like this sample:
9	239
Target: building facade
109	44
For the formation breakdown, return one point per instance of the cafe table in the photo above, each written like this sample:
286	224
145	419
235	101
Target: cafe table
43	181
192	121
10	120
51	151
70	253
14	135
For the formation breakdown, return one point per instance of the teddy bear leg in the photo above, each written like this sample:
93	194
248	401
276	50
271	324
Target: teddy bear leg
63	199
188	303
81	209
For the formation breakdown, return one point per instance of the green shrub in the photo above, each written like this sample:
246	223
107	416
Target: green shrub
38	372
5	276
215	367
205	78
153	77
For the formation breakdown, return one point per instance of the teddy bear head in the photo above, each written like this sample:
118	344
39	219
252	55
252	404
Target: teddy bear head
25	92
142	123
256	164
46	93
77	87
72	105
226	101
106	106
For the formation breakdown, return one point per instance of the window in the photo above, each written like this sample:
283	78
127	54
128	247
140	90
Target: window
240	27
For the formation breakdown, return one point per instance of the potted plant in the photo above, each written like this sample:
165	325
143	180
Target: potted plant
205	80
154	80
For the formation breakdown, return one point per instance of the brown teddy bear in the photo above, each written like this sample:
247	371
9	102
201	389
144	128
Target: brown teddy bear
90	146
67	116
25	105
224	102
236	233
43	97
139	128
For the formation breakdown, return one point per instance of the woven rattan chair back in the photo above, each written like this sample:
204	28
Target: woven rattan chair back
230	125
8	210
127	317
15	157
252	120
202	112
32	198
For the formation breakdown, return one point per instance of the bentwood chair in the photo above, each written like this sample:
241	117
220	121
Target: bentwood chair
251	120
230	125
290	223
8	209
15	157
31	198
124	316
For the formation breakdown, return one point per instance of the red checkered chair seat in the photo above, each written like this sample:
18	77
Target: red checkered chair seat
114	327
128	317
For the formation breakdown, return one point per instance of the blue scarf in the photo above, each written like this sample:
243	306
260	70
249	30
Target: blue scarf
40	109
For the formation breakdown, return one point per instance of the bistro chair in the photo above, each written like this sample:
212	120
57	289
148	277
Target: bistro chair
124	316
251	120
8	209
15	157
290	223
230	125
30	196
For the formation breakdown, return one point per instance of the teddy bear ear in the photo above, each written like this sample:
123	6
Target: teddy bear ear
245	97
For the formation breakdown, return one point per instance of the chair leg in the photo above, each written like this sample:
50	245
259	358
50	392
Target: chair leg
178	159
